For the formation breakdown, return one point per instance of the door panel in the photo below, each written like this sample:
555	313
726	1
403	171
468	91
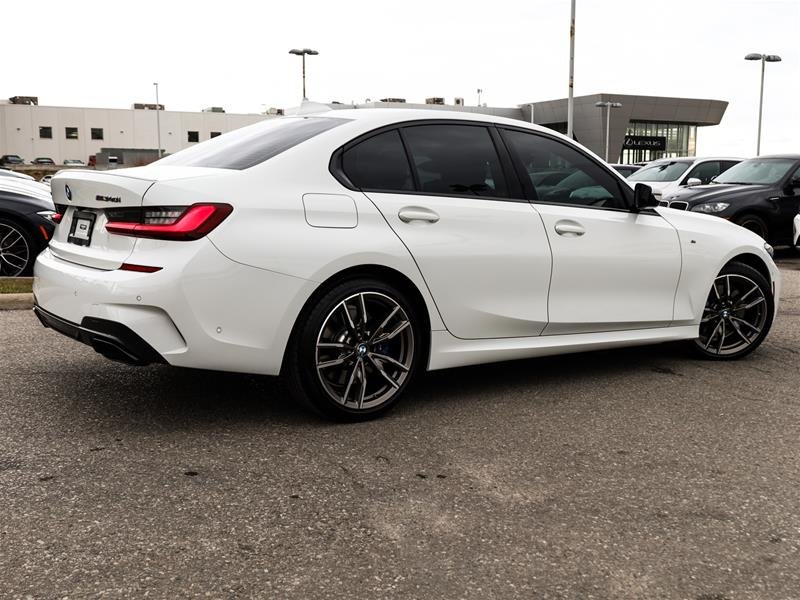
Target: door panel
612	270
487	262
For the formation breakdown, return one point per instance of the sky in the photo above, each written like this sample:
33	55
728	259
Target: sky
234	54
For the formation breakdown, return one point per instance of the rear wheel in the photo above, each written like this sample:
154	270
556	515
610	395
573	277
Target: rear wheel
755	224
356	351
738	314
17	253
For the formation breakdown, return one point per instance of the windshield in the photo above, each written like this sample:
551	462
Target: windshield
665	171
757	171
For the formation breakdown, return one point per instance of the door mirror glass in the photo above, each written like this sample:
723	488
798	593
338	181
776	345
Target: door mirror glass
643	197
693	181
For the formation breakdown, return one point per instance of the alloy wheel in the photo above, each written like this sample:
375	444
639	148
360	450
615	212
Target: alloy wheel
364	350
734	316
15	252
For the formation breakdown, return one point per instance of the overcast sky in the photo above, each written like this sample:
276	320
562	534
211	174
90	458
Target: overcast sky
234	53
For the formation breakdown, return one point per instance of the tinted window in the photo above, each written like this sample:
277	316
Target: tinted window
192	136
456	160
71	133
561	174
379	163
705	171
97	133
46	133
249	146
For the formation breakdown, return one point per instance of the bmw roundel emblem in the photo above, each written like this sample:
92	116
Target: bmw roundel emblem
69	192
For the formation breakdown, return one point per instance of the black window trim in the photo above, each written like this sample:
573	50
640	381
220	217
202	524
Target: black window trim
625	192
512	182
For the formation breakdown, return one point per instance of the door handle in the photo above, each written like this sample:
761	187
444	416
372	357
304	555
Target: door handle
569	229
417	213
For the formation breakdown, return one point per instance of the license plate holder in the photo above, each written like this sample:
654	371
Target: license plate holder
80	231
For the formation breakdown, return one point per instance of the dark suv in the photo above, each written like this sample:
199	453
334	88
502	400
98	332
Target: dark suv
11	159
761	194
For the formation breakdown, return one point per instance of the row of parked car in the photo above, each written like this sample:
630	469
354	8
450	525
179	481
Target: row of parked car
12	160
761	194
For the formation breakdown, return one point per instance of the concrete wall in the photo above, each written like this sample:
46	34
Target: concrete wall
122	128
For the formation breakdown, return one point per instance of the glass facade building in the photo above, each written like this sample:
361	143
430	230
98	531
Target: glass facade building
681	141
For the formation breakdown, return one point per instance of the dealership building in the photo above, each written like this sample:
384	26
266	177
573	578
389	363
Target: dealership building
640	128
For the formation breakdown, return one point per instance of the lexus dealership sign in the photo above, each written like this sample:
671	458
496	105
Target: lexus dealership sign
644	142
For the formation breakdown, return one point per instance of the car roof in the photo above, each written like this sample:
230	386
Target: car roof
783	156
389	116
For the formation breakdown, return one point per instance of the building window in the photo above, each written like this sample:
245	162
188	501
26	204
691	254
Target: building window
680	138
46	133
71	133
215	134
193	136
97	133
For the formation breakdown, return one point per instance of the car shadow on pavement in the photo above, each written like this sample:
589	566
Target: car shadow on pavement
176	398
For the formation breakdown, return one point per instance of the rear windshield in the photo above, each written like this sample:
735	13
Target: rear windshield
665	171
249	146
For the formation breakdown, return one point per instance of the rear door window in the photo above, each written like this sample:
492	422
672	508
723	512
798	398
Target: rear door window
379	163
249	146
456	160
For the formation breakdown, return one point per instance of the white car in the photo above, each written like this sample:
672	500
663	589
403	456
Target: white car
350	250
669	174
15	175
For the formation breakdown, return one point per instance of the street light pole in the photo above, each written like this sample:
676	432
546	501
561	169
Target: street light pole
764	58
158	121
608	105
302	53
570	100
480	91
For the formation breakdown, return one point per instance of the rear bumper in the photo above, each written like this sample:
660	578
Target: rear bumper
202	310
112	340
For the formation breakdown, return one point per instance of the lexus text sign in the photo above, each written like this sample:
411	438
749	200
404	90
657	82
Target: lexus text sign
645	142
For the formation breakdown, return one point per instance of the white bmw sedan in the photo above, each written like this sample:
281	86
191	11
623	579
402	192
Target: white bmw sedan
349	250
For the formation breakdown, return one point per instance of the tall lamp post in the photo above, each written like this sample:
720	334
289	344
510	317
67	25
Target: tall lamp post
303	53
480	91
158	121
608	105
764	58
570	100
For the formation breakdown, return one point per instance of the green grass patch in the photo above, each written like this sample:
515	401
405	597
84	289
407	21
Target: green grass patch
15	285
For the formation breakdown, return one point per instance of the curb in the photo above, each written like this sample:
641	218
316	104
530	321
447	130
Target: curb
16	301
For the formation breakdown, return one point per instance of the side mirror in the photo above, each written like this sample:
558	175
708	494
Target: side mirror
693	181
643	197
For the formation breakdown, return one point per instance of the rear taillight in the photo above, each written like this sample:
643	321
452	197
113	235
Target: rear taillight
179	223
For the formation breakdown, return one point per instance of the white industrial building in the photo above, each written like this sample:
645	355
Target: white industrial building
61	132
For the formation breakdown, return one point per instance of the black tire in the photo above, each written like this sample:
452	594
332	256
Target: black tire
735	321
331	391
16	240
755	224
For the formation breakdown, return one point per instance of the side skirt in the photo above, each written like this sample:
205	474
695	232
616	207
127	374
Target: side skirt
448	351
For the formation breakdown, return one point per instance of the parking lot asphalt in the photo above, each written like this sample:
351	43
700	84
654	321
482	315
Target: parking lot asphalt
638	473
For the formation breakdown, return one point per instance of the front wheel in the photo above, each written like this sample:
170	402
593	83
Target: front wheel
355	351
737	315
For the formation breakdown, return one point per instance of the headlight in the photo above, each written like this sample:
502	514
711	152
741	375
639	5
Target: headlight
711	207
770	250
